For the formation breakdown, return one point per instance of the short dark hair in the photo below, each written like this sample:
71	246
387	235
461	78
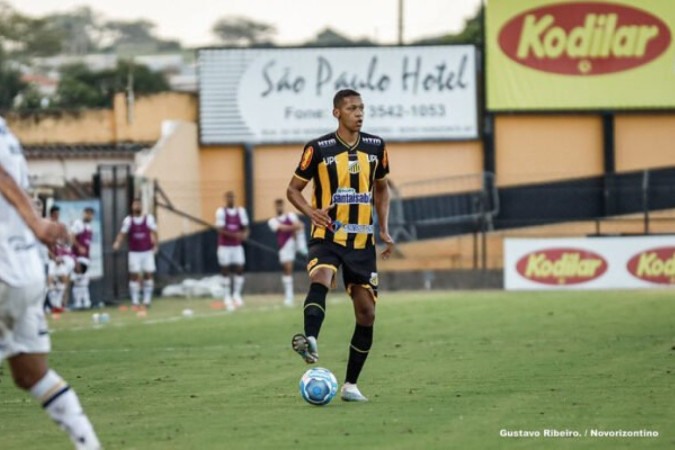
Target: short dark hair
89	209
54	209
342	94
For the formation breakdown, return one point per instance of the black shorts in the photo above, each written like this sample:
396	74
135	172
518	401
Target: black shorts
359	266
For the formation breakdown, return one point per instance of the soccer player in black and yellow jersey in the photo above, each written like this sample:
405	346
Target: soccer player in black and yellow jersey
348	169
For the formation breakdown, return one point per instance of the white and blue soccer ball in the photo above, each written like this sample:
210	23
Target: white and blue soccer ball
318	386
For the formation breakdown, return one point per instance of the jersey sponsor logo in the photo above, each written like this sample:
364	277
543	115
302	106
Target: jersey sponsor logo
656	265
349	196
306	158
354	167
562	266
369	140
19	244
372	158
327	143
328	160
351	228
584	38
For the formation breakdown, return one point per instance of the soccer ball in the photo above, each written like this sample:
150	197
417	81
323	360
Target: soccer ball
318	386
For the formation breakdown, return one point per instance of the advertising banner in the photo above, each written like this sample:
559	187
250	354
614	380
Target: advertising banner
589	263
570	55
286	95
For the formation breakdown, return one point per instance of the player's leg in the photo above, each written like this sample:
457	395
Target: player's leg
287	282
26	342
134	260
239	260
323	264
148	267
360	277
224	262
286	258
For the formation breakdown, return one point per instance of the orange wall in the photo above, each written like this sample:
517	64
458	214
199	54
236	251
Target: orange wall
644	141
274	167
533	149
94	126
106	126
149	112
222	169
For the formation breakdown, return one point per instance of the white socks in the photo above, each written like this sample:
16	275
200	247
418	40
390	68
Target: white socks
238	286
148	286
134	291
63	406
287	281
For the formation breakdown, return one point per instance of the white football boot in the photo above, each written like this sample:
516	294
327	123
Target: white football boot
351	393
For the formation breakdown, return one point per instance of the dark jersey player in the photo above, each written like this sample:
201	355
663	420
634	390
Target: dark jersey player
349	170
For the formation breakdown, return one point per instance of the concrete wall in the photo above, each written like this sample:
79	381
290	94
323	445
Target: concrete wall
175	163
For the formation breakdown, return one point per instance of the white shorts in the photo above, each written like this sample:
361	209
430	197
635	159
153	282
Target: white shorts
142	262
231	255
288	251
23	328
62	269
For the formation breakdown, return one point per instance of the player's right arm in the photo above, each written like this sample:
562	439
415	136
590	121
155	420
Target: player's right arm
126	224
305	171
46	231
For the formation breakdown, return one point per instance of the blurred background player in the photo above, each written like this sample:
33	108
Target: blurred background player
24	337
291	239
60	267
141	230
81	235
233	230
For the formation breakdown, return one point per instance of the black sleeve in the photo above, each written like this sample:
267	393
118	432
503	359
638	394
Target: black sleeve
307	166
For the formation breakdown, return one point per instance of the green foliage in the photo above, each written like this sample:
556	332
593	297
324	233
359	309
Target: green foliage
242	31
82	87
471	34
447	370
10	83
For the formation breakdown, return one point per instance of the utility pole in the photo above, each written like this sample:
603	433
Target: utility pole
400	22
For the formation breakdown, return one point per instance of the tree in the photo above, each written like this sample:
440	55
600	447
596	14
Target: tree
10	83
471	34
241	31
24	36
329	37
137	36
82	87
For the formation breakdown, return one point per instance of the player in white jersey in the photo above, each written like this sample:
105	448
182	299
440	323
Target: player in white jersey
24	338
291	239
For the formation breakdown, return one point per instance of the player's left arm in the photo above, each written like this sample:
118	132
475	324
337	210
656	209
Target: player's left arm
152	224
245	228
382	210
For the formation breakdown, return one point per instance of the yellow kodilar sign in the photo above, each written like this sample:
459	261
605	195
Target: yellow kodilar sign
566	55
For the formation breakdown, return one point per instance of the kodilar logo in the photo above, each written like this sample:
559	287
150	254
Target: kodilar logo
584	38
562	266
655	266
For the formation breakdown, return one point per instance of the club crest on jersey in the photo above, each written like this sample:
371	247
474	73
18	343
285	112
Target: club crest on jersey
354	167
306	158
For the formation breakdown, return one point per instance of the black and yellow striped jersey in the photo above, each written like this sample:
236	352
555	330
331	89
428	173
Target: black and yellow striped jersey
344	175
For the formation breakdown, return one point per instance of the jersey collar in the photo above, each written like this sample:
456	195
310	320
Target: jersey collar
349	147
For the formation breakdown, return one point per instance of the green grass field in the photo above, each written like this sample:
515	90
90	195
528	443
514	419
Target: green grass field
448	370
